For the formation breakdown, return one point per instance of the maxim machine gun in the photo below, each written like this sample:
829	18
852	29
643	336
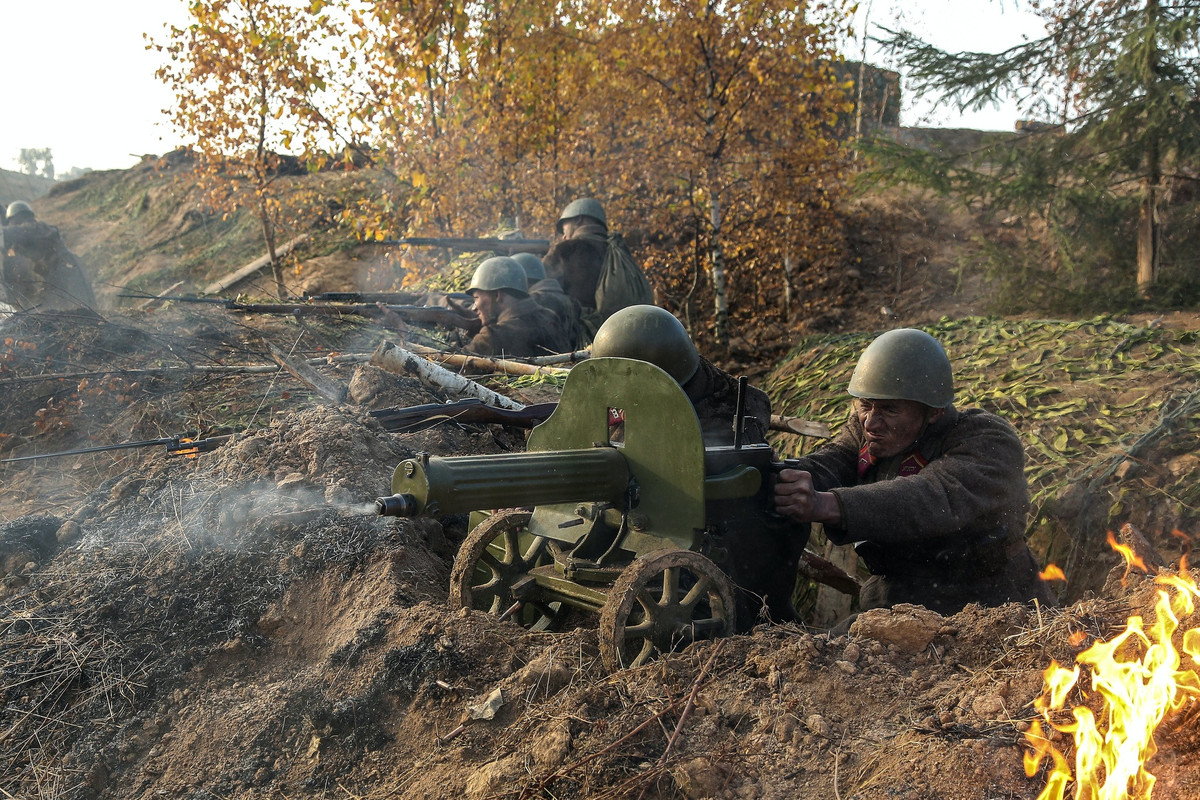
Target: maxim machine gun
632	517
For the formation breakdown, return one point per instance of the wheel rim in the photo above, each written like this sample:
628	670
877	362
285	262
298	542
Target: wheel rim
663	601
492	562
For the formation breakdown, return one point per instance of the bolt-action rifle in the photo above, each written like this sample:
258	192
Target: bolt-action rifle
396	298
539	247
419	418
393	420
421	315
180	445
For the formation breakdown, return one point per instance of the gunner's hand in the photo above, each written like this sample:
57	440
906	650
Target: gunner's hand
797	499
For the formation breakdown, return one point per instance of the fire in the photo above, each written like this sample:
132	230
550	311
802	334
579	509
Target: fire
1052	572
1139	679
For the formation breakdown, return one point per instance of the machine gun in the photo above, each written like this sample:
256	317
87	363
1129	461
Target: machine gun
632	518
504	247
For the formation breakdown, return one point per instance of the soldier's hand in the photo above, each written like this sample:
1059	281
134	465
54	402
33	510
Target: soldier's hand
798	499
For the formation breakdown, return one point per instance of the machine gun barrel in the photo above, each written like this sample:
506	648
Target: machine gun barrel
456	484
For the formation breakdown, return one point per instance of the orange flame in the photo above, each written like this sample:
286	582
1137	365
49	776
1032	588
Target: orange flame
1136	693
1131	558
1052	572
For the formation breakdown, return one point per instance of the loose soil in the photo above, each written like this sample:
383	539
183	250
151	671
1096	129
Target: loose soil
241	624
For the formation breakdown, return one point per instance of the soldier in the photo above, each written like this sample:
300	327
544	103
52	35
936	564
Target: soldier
513	324
763	549
650	333
933	498
548	292
39	269
595	267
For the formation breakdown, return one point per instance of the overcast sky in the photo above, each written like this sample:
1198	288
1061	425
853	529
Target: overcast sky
81	82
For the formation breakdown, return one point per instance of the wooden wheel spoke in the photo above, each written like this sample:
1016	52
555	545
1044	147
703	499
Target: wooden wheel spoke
670	587
661	601
697	592
496	566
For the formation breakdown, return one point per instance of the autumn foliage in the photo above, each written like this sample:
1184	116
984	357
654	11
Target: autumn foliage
709	130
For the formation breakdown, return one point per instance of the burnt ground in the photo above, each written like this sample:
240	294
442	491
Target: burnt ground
241	625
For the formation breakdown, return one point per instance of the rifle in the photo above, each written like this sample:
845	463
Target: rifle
180	298
419	418
423	417
181	445
426	315
539	247
401	298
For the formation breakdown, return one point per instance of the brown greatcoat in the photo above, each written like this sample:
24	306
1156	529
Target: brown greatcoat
42	271
949	535
522	330
598	272
549	293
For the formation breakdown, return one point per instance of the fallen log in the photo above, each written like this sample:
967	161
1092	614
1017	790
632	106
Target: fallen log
399	361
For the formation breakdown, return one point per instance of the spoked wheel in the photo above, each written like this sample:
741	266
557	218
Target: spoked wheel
662	601
492	566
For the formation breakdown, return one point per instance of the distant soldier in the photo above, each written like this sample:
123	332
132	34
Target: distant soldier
548	292
39	270
595	267
513	323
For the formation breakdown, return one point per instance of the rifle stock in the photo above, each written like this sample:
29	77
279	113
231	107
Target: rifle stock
423	417
419	418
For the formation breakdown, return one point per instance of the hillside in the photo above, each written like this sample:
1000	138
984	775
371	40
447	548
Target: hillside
240	624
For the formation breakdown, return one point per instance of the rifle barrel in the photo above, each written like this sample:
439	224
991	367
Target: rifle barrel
100	449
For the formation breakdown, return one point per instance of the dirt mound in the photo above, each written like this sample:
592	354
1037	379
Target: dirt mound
241	624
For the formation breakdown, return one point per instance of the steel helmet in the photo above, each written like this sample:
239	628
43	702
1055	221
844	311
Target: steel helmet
648	333
534	269
499	272
583	207
904	364
18	207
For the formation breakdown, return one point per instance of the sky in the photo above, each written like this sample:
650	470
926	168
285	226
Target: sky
86	87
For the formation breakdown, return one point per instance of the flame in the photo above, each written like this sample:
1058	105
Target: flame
1139	680
1131	558
1052	572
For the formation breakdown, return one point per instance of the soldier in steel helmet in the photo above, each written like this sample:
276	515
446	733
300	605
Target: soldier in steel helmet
39	270
513	324
653	334
548	292
766	551
594	267
932	497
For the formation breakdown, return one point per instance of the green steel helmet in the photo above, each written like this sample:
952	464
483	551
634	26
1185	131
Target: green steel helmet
500	272
534	269
583	207
648	333
18	207
904	364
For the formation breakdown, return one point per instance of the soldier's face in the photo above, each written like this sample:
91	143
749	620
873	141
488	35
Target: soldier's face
486	307
892	426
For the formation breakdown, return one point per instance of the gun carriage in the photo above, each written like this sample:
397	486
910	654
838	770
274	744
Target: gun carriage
632	517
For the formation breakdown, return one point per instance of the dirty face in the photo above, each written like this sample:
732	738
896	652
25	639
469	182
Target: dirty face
892	426
486	306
